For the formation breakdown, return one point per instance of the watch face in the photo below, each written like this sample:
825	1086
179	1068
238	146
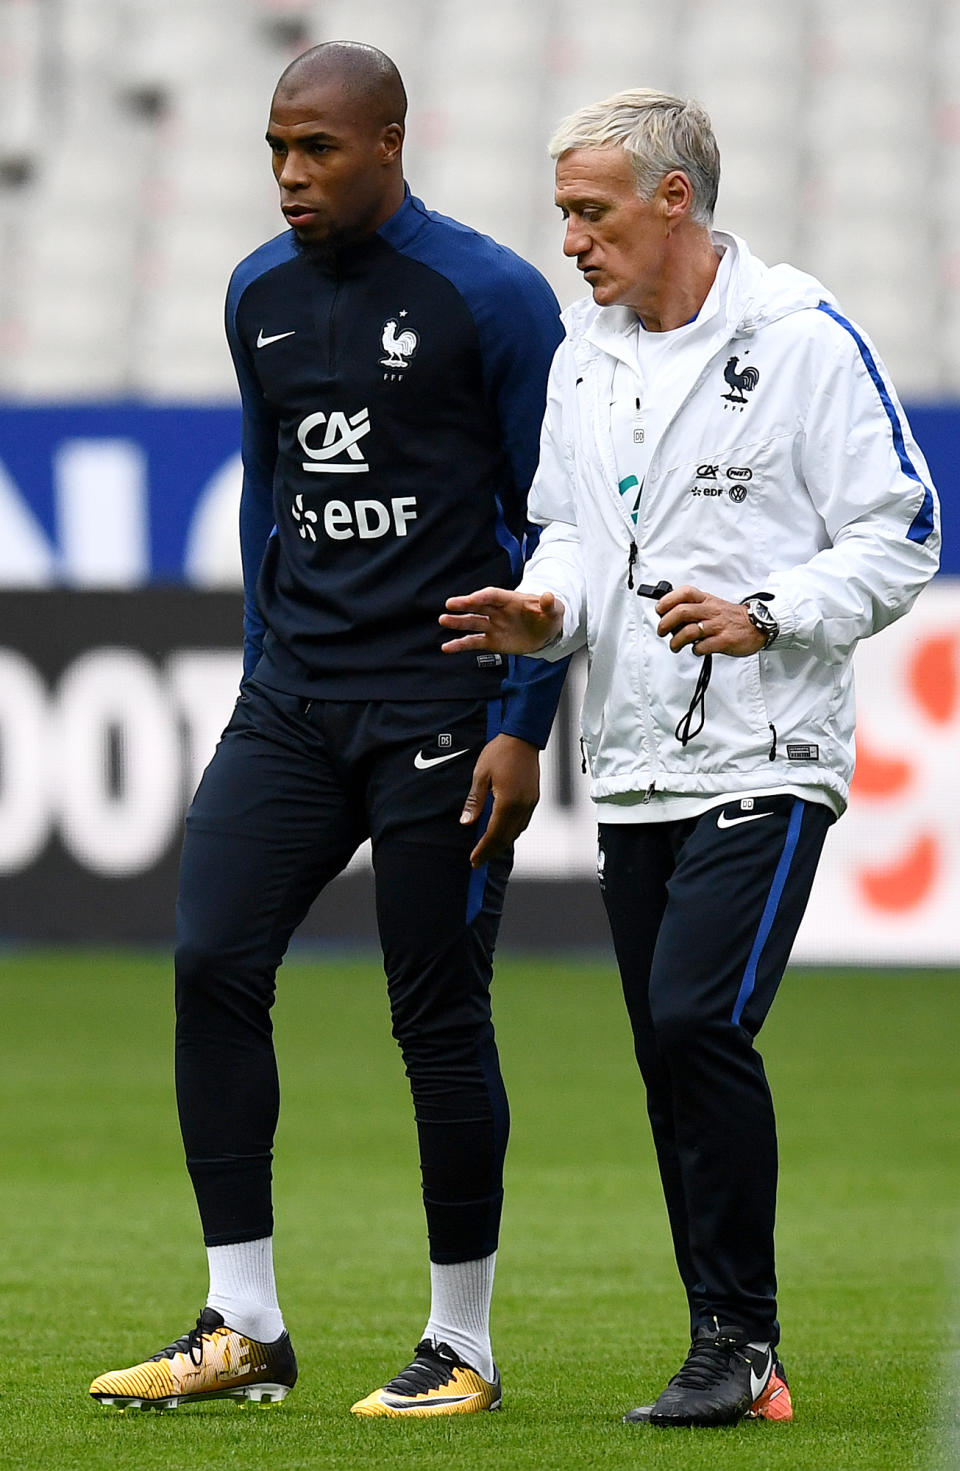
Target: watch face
761	617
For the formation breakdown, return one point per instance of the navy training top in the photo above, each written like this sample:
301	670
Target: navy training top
393	393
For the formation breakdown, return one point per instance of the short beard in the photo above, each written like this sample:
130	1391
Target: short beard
325	252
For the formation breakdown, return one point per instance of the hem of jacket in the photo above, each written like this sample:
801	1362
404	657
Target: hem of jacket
832	790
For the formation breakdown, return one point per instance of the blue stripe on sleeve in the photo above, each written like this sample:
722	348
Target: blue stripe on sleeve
478	878
922	524
259	443
749	981
509	542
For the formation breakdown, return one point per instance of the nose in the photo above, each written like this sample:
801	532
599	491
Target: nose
575	239
291	174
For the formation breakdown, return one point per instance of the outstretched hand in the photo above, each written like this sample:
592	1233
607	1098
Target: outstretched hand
498	621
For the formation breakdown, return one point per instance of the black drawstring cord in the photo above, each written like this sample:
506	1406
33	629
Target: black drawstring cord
686	730
773	744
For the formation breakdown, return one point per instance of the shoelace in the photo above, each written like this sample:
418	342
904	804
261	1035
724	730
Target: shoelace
707	1362
191	1343
195	1343
431	1368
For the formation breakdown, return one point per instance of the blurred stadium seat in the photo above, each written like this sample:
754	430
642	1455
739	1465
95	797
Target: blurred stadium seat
133	173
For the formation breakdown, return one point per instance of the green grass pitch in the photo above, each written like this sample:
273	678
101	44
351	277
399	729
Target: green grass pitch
102	1263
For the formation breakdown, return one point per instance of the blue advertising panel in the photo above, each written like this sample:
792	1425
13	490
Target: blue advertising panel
127	495
159	462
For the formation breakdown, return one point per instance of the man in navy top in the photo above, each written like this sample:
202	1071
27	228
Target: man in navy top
392	365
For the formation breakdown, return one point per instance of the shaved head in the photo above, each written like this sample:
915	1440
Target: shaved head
336	135
366	77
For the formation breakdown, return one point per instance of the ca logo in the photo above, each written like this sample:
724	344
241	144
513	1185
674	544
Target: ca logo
341	438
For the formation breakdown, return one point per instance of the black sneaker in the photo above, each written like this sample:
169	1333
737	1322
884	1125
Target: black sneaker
721	1381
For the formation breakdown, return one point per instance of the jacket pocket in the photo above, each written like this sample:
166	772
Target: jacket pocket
737	732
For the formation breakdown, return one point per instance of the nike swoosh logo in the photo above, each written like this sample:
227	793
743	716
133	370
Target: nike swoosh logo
758	1383
422	762
724	821
266	341
424	1402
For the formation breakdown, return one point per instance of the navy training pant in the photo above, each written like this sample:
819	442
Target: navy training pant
293	789
704	913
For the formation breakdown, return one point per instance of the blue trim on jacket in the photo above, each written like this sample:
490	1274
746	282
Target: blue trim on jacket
922	524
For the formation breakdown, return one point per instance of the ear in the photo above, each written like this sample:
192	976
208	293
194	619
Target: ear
391	143
675	196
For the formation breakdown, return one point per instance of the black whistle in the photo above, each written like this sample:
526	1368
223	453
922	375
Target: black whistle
656	590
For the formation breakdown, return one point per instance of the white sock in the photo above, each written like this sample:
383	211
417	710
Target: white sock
460	1310
243	1290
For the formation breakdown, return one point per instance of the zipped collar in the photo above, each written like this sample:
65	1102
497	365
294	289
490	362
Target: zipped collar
614	329
406	222
398	231
756	295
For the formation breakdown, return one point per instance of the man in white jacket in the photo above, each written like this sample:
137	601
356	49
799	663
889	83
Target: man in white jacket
731	498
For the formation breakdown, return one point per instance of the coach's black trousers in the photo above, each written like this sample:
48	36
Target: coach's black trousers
294	787
704	913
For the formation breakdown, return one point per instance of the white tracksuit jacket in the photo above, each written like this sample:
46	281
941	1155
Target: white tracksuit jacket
839	522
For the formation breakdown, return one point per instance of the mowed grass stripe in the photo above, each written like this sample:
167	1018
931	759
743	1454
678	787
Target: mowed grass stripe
102	1262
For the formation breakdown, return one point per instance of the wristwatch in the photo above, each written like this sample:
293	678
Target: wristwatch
761	617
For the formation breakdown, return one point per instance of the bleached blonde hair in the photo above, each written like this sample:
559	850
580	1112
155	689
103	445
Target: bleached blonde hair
659	132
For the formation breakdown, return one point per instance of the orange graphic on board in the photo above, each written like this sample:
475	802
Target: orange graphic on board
933	685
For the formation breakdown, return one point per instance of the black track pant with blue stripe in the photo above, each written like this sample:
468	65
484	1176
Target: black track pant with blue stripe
704	913
294	787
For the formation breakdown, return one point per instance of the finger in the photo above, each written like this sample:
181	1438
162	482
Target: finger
486	849
475	798
463	645
678	595
479	602
705	642
691	634
505	826
676	618
466	622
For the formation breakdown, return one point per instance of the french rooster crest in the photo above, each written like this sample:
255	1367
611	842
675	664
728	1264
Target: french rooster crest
740	383
399	349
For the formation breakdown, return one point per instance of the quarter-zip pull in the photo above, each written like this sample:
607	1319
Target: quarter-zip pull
649	792
583	757
630	561
773	745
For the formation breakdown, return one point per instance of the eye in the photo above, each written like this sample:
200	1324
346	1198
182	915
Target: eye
319	147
